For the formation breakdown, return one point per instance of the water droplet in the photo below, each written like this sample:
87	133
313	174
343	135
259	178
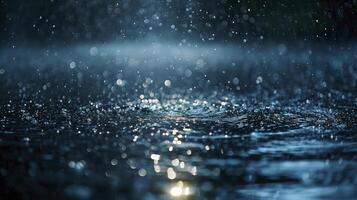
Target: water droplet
114	162
142	172
72	65
93	51
120	82
171	174
259	80
167	83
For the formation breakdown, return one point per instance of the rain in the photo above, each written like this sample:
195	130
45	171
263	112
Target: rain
178	99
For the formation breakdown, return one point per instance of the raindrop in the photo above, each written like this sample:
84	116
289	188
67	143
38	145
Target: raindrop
167	83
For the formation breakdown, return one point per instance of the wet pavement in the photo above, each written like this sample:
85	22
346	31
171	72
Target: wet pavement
161	121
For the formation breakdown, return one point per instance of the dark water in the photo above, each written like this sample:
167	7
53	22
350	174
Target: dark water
157	121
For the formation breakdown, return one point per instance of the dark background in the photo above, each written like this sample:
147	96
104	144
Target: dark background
64	21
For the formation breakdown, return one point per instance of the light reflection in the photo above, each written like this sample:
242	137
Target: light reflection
194	171
171	174
175	162
155	157
181	190
157	168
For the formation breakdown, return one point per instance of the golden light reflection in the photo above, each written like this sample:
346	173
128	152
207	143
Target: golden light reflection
180	190
171	174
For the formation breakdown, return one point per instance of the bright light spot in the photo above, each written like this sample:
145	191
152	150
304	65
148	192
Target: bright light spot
114	162
180	190
120	82
194	171
259	80
176	191
72	65
189	152
187	129
155	156
182	165
175	162
157	168
171	174
167	83
77	165
142	172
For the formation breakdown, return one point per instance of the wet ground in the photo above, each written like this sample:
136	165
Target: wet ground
161	121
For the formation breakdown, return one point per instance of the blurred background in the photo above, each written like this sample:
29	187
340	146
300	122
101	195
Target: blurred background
183	20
